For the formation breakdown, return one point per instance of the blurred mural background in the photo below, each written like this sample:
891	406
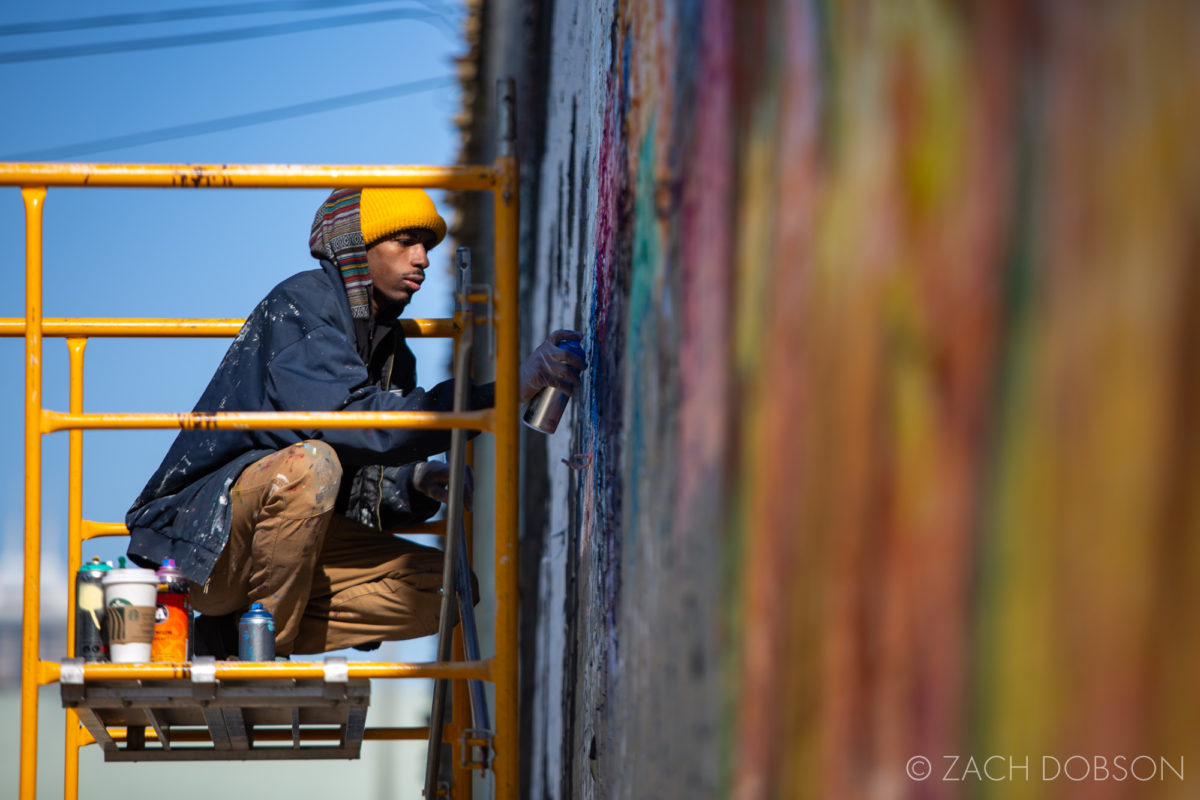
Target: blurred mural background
888	448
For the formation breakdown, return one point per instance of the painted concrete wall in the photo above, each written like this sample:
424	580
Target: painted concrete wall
888	446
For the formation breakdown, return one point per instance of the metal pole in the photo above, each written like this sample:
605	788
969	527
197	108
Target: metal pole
76	346
35	198
454	508
247	176
137	327
272	670
470	634
460	714
505	204
53	421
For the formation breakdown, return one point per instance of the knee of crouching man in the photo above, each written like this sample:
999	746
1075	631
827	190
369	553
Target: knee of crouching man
321	464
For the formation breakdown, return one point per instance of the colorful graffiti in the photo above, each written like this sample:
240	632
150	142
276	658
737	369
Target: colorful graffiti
892	316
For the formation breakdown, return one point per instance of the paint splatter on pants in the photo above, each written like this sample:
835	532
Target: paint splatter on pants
329	582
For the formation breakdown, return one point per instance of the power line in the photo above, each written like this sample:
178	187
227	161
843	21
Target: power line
230	123
196	12
211	37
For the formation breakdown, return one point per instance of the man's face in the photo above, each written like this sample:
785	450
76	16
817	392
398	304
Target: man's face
397	265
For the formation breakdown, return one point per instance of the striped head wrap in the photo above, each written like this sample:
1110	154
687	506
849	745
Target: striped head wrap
352	220
337	236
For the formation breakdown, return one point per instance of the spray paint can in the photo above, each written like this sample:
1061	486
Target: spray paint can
90	644
256	635
172	616
548	405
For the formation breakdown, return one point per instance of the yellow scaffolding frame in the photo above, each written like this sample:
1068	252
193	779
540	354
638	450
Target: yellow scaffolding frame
501	669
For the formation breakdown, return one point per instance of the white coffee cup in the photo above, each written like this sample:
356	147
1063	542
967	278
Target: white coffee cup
130	596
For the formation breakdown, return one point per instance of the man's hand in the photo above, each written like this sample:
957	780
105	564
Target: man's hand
432	478
551	365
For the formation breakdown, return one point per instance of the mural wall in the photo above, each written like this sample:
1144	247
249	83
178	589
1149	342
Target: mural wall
888	450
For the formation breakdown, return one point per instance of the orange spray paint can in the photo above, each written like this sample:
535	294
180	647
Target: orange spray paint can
172	616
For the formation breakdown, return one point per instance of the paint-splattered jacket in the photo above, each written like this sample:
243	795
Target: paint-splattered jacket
296	352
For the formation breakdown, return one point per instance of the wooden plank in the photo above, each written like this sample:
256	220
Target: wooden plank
162	731
97	728
252	754
356	726
215	720
235	724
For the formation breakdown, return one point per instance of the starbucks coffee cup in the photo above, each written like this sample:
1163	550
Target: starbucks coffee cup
129	602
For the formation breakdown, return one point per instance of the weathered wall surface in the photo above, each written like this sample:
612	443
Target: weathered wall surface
888	445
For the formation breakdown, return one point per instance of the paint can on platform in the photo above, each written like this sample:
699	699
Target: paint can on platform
89	611
256	635
172	616
548	405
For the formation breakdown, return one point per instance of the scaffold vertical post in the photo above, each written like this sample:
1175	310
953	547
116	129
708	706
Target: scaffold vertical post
76	345
35	199
505	199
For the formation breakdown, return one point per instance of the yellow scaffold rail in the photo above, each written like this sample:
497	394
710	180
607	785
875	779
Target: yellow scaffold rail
248	176
501	180
91	529
53	421
186	328
390	734
51	672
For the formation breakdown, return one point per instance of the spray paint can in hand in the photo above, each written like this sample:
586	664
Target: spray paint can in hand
256	635
89	611
548	405
172	616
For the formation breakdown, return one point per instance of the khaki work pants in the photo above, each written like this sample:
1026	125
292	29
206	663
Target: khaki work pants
329	582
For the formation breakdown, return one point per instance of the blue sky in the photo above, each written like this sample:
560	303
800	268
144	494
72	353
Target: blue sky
204	253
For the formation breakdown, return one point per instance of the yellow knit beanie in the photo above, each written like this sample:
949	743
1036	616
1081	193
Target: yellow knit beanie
383	212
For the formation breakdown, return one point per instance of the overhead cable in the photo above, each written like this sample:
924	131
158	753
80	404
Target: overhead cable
211	37
229	123
195	12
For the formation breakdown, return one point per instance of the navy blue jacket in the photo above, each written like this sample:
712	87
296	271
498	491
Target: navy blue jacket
296	352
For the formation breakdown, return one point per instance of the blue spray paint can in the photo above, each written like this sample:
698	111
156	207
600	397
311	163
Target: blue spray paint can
256	635
548	405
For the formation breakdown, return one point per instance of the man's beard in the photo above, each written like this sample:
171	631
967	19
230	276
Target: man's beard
390	309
